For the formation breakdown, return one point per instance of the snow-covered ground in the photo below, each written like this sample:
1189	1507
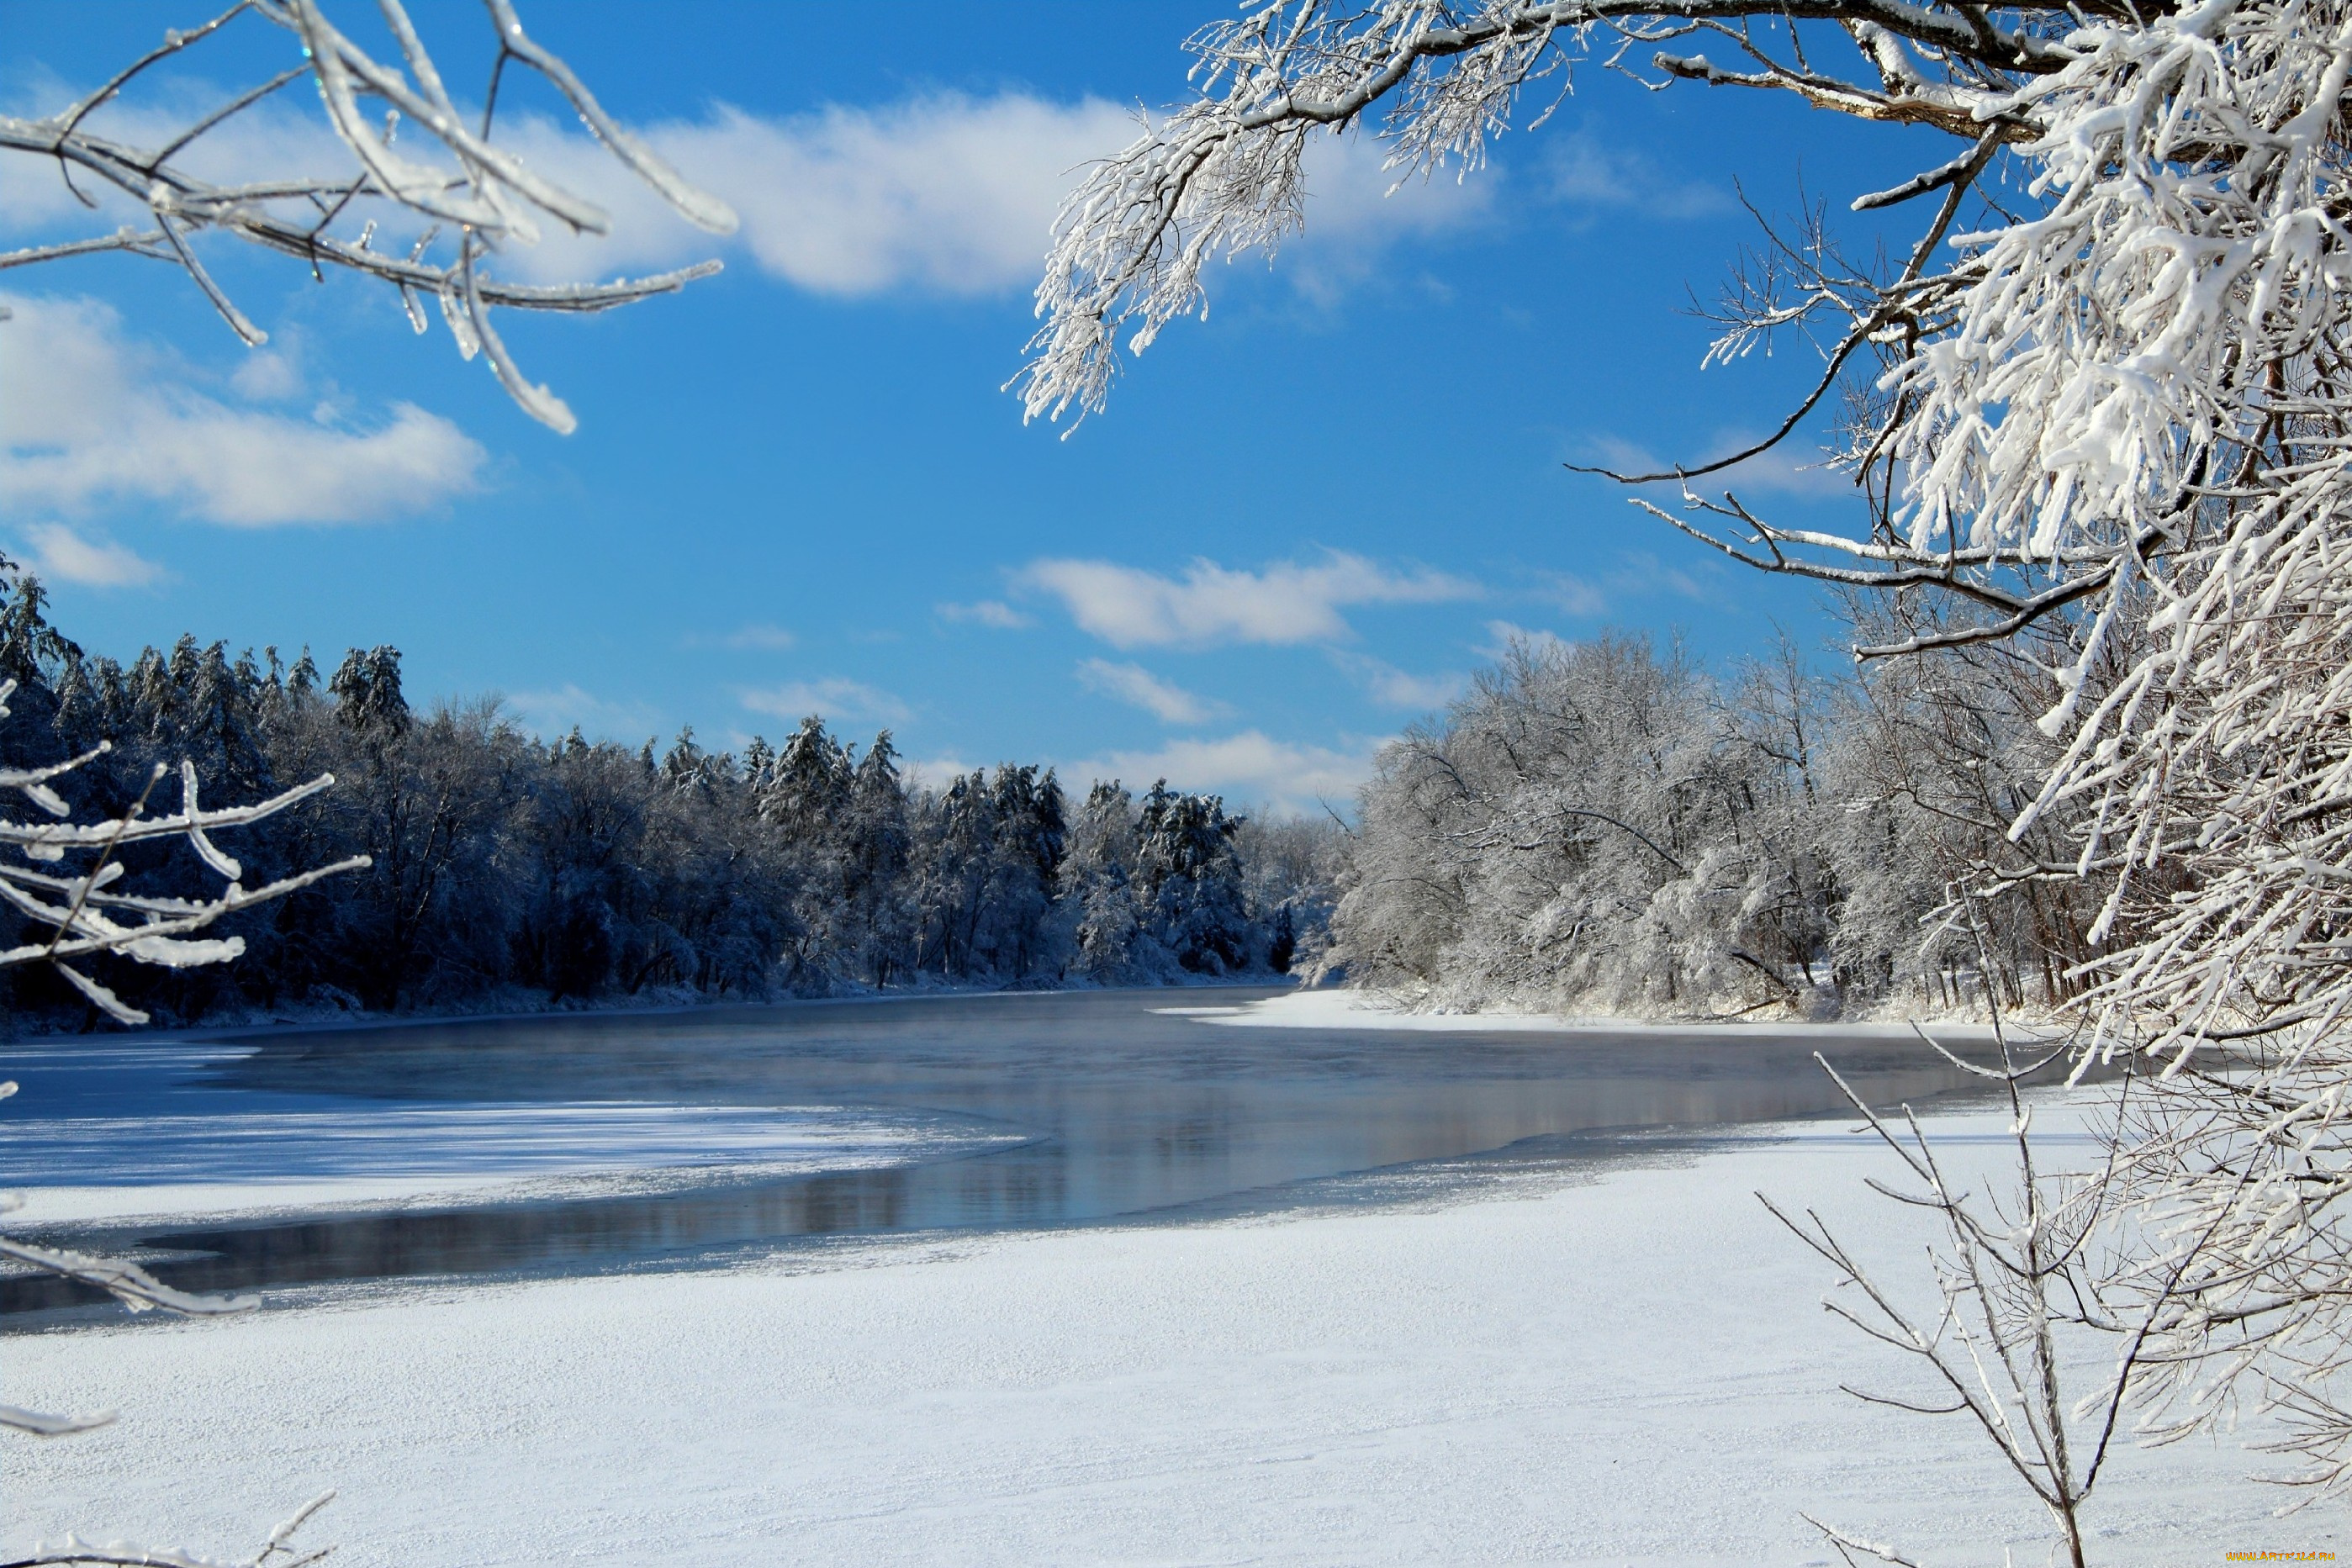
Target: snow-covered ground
1359	1009
1629	1366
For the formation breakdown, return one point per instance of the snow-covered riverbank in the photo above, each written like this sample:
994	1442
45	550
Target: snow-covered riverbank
1629	1367
1360	1009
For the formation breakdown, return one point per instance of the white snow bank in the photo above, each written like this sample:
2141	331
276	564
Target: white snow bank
1633	1370
1355	1009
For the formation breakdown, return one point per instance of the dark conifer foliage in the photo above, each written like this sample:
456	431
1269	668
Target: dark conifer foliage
511	873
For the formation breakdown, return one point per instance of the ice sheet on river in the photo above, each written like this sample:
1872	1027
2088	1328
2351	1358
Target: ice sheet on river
285	1152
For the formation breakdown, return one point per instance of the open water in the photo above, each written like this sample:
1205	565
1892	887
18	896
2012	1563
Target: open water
588	1142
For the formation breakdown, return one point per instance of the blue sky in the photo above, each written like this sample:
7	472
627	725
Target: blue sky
799	485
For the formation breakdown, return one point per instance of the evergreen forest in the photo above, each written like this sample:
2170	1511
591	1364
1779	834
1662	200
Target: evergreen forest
506	873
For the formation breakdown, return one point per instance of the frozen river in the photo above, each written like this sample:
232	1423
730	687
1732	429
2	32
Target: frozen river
586	1143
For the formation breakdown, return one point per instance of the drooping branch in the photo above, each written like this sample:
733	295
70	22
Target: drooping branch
479	191
85	915
1222	175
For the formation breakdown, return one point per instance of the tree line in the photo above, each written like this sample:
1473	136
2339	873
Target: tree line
1611	826
509	871
1608	825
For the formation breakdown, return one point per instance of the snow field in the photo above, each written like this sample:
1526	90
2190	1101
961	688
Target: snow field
1632	1368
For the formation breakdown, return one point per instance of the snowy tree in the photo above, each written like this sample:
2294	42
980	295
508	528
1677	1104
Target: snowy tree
2100	396
1291	868
1596	825
504	871
988	861
1098	886
1033	836
804	790
1189	881
876	843
580	913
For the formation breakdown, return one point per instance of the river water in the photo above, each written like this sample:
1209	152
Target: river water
587	1142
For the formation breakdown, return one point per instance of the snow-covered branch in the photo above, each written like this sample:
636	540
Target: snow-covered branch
85	913
450	172
2015	1283
277	1550
1222	175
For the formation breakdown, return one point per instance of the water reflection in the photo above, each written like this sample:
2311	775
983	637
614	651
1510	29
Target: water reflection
1125	1112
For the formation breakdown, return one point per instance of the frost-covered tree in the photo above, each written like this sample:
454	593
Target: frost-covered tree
1189	881
2100	397
805	788
1598	826
1933	756
1291	869
1098	892
987	858
876	839
507	872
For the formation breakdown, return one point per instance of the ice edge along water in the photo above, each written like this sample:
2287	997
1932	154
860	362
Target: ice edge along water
327	1153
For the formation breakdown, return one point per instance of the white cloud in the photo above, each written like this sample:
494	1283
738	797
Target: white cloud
1506	634
765	638
1248	767
555	712
1641	572
1785	470
987	612
1631	580
934	772
1356	209
60	555
1398	688
1789	469
943	193
1286	602
267	375
834	698
1352	196
94	416
1579	596
939	193
1139	688
1580	170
